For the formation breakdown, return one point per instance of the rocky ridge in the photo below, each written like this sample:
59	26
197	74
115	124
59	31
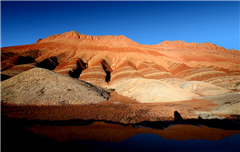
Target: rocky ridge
112	61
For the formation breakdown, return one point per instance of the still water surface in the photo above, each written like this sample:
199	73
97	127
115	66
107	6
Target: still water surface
152	142
104	136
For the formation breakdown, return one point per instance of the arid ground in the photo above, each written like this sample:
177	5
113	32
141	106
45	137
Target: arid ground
73	76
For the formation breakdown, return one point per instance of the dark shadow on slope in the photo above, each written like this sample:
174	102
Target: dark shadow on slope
8	55
107	70
25	60
4	77
75	73
49	63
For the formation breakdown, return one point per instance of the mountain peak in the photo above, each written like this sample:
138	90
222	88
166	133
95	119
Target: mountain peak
66	35
73	35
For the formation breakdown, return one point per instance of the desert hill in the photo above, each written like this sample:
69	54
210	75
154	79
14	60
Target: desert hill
115	61
43	87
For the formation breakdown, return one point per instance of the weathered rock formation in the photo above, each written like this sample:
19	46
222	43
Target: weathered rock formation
40	86
112	60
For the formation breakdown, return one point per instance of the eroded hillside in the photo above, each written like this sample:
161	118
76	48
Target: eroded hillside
111	61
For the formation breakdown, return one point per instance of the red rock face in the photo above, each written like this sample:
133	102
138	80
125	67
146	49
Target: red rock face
185	72
153	71
73	67
125	70
104	59
95	74
15	70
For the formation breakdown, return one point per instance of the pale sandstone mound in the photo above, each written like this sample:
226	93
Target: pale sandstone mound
150	91
43	87
203	88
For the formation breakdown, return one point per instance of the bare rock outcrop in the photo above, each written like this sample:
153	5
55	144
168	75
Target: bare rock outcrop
40	86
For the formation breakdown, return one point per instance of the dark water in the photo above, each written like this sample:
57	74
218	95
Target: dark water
152	142
16	136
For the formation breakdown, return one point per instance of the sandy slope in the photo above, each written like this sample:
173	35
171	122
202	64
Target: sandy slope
149	91
203	88
165	90
43	87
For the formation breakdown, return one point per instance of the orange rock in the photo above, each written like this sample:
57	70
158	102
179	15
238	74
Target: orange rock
113	58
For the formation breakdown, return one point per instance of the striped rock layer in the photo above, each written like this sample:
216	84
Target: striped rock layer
104	60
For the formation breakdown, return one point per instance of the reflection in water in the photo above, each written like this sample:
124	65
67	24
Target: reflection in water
114	137
102	131
102	136
152	142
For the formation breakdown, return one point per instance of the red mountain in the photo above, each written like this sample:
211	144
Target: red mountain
106	59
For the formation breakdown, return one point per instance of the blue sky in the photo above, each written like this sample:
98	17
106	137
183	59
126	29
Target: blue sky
143	22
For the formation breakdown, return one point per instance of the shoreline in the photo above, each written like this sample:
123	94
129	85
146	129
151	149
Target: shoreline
109	111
